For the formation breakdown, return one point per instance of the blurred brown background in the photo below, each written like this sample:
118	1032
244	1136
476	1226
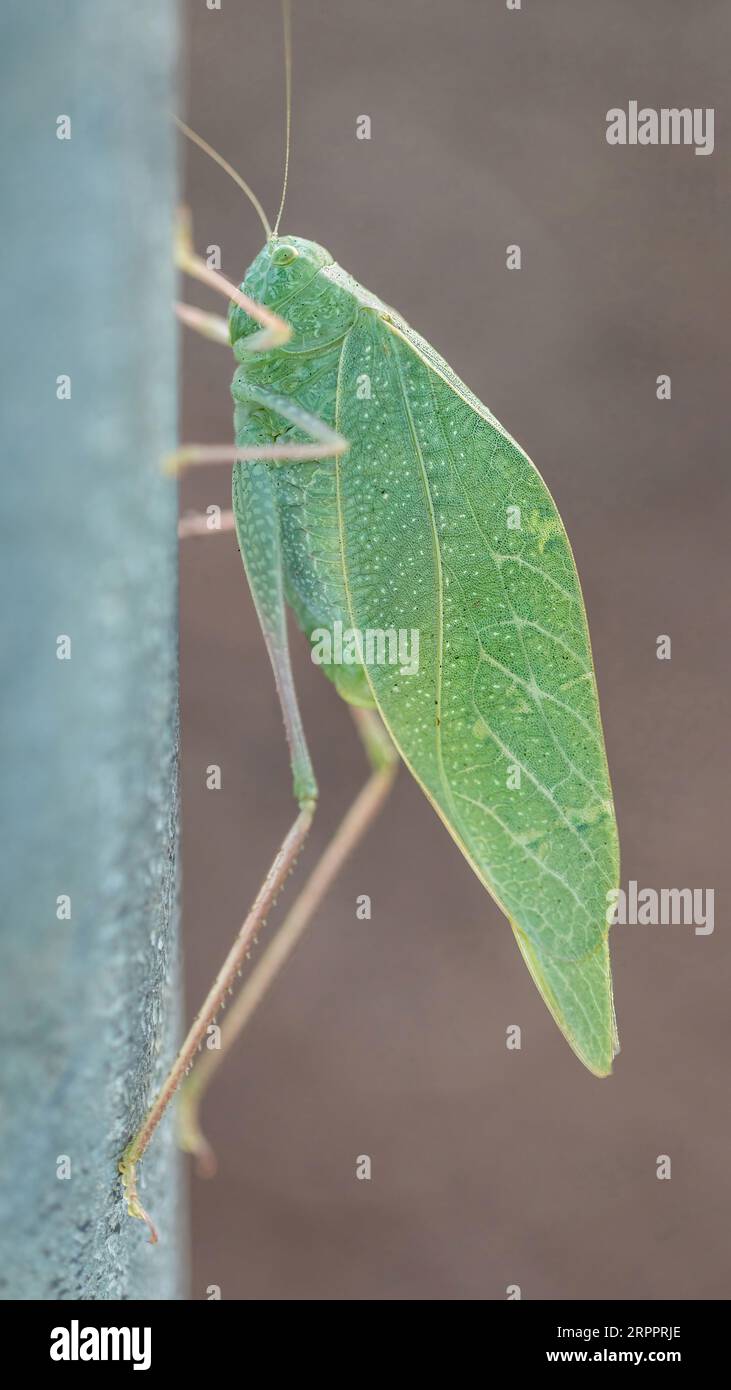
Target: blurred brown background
387	1037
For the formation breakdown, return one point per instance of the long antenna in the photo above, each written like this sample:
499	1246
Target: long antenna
224	164
287	22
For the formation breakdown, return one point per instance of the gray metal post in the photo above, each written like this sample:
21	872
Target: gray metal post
88	992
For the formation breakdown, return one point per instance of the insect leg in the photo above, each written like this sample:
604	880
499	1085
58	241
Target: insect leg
212	326
384	763
279	871
326	442
274	330
196	524
258	529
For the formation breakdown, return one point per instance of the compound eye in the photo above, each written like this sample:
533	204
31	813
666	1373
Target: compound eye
284	255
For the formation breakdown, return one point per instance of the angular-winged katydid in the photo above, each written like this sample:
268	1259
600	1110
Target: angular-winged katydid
374	493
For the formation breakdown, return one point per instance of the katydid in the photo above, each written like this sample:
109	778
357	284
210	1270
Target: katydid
373	492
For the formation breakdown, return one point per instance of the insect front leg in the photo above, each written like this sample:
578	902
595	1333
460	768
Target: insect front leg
383	759
211	326
326	442
275	331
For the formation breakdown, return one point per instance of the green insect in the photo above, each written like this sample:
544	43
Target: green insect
378	498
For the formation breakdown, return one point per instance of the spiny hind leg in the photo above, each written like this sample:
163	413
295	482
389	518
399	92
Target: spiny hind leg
259	537
279	871
383	759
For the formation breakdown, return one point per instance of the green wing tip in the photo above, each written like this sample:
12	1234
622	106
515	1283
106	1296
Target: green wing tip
578	993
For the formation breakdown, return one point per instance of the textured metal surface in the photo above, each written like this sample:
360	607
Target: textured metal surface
88	1010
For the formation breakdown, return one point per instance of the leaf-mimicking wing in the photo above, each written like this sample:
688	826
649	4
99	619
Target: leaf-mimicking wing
447	527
